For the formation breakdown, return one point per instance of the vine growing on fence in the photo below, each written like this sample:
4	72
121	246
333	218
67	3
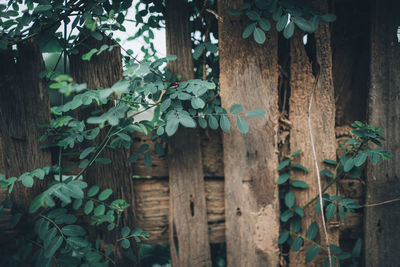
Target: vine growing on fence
350	164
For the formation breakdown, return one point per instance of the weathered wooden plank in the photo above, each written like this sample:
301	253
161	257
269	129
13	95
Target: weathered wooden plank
24	105
249	76
188	217
152	208
302	80
383	183
211	156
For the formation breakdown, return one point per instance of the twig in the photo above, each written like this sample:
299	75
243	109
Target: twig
381	203
317	170
218	17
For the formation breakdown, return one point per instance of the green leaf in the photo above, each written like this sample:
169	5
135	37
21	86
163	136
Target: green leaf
65	219
172	126
103	160
289	30
356	252
78	241
296	224
255	113
187	121
236	109
283	164
327	173
299	184
212	121
125	231
355	172
289	199
283	178
259	35
312	230
297	244
105	194
348	165
36	204
125	243
73	230
225	123
283	237
211	47
281	24
295	153
86	152
27	180
249	30
143	148
328	18
77	204
88	207
147	160
299	211
311	253
300	167
242	125
360	159
53	246
197	103
264	24
42	8
286	215
253	15
330	211
93	191
100	209
329	161
202	122
198	51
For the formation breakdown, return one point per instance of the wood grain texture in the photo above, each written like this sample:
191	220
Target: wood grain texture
211	156
383	181
188	214
302	82
24	105
249	76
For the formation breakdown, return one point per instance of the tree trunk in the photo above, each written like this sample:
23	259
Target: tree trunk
188	216
103	71
24	105
249	76
302	82
383	183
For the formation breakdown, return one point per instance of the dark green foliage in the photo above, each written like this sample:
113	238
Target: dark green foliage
287	14
356	154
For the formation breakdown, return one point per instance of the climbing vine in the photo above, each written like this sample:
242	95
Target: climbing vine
356	153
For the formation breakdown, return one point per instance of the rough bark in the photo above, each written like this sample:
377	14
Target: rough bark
24	105
188	216
249	76
302	82
383	183
103	71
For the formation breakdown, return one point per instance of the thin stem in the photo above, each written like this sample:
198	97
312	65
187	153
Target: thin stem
116	236
99	150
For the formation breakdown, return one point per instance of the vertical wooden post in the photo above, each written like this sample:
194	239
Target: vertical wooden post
249	76
188	214
24	105
382	232
302	81
103	71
